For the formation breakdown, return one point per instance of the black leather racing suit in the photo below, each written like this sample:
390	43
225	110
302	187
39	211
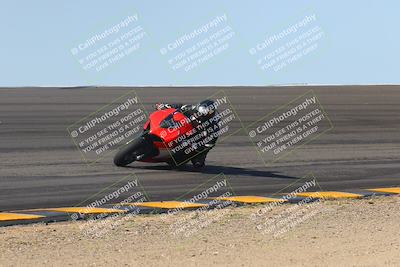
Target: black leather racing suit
190	111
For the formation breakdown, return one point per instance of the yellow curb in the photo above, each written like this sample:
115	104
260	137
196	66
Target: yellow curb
84	210
168	204
250	199
18	216
329	195
393	190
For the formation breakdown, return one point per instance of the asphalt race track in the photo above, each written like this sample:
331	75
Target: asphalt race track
40	166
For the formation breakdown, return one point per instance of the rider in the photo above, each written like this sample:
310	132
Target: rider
198	114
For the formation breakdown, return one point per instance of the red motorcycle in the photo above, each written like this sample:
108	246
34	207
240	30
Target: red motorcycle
175	135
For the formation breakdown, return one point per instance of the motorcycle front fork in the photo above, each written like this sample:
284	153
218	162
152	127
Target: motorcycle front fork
148	151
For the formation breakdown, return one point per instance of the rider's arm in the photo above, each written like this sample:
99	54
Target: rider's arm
161	106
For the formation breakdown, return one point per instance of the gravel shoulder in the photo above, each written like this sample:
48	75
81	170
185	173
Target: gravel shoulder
329	233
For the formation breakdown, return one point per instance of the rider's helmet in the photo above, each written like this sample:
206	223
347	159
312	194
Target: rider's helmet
206	109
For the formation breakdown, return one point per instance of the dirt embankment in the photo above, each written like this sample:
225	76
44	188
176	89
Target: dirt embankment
330	233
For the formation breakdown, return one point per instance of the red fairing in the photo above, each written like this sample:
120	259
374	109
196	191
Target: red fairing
146	125
172	133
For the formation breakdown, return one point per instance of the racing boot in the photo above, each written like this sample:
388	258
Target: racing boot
200	160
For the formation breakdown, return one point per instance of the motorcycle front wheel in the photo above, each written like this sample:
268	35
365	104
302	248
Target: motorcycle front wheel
129	152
